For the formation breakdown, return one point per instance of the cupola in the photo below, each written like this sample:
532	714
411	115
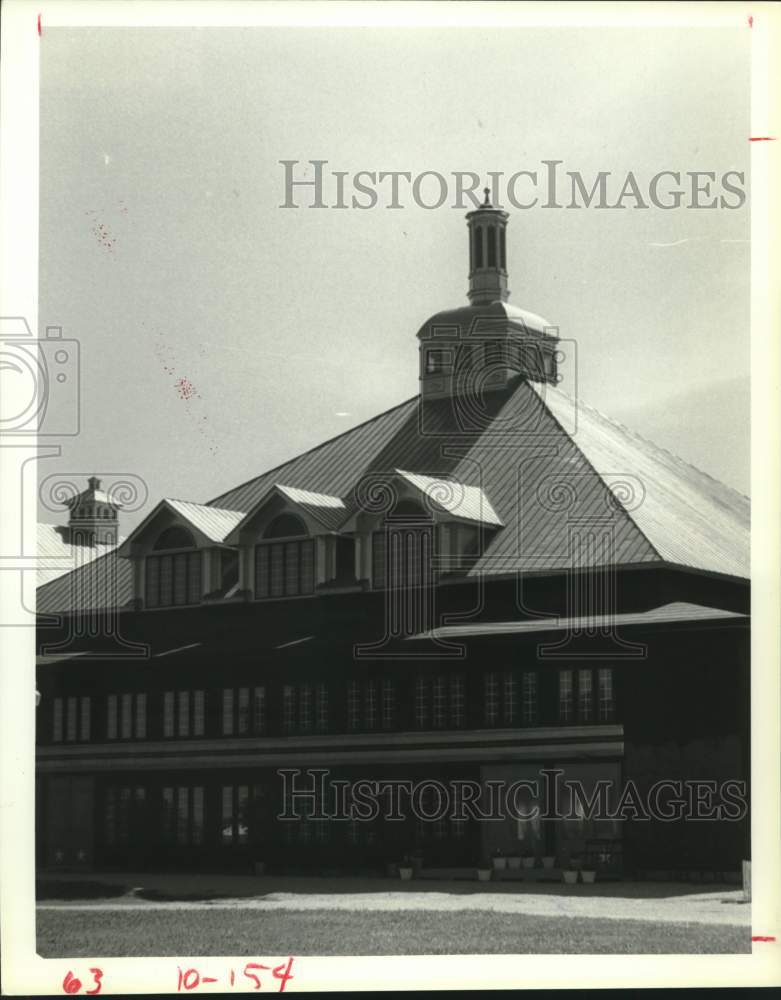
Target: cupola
481	347
93	516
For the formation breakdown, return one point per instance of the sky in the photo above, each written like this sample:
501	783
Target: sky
220	333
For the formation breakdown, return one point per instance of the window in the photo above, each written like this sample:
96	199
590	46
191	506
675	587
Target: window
576	695
371	704
305	708
566	697
502	249
439	701
235	820
285	568
184	714
501	701
585	696
124	815
478	246
606	702
71	719
173	579
529	698
243	711
126	716
491	231
183	815
437	360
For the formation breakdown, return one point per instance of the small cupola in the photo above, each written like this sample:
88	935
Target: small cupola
482	348
93	516
487	254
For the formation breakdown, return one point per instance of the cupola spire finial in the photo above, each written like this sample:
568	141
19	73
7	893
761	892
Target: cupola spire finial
487	202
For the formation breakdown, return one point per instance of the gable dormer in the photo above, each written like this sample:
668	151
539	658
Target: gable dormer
180	557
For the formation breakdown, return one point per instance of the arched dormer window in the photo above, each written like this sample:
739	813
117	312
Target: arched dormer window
173	576
285	559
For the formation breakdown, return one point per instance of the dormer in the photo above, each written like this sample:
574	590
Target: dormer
411	528
290	546
180	557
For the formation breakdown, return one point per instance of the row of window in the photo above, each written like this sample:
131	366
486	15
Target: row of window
401	557
182	815
510	698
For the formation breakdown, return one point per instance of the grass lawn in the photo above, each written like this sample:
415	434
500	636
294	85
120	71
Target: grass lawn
132	933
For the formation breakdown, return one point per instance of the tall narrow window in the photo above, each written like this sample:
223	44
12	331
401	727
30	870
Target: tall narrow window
321	708
235	815
478	247
491	698
510	706
84	718
422	703
111	717
371	704
491	231
126	728
502	249
305	708
288	708
57	728
140	727
199	713
244	717
439	703
529	698
183	714
71	730
585	696
388	704
259	711
353	705
606	702
227	712
456	701
168	713
566	698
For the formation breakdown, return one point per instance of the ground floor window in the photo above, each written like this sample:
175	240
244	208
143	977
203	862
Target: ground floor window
125	814
183	815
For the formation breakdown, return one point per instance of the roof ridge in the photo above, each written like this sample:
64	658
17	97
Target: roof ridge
309	451
658	447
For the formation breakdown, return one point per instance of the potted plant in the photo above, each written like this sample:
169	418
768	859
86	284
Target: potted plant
570	875
548	861
484	873
514	862
588	875
259	866
406	869
528	860
416	860
498	860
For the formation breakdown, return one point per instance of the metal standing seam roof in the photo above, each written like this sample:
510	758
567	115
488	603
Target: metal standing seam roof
56	555
214	522
679	611
104	582
561	496
453	497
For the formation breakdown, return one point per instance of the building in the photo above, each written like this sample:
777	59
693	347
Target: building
489	581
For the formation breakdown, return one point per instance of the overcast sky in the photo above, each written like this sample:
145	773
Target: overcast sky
290	326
